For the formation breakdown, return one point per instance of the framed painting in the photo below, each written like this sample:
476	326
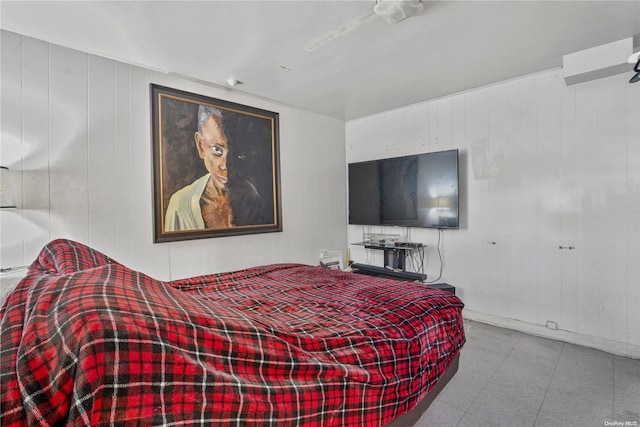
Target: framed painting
215	167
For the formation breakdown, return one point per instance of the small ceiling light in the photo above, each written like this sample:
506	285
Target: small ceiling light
6	192
233	82
394	11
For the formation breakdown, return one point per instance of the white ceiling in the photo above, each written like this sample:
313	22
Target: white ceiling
451	46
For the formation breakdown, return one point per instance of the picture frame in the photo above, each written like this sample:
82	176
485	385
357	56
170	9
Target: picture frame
216	168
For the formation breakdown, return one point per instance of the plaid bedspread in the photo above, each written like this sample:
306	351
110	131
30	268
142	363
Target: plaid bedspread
86	341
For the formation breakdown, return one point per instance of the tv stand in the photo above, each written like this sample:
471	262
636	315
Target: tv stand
372	270
395	254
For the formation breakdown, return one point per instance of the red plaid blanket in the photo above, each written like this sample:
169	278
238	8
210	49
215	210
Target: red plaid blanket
87	341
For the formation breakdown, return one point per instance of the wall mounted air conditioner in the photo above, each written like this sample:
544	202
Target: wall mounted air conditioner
598	62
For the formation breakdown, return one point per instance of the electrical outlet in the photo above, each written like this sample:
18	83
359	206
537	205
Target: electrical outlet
552	325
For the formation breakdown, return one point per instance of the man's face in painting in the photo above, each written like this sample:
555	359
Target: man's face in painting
213	148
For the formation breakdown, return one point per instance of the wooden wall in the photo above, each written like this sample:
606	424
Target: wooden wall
76	135
543	166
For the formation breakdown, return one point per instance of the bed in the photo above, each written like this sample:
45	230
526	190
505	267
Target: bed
85	340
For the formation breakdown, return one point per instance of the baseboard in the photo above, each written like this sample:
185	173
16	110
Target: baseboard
610	346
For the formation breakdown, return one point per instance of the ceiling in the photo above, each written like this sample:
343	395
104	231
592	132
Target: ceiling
276	50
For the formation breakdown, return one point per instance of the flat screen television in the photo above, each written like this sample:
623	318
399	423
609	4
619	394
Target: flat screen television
410	191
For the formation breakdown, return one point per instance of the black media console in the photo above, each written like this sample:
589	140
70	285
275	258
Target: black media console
395	253
372	270
394	261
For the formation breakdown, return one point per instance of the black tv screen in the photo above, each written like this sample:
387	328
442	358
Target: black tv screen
410	191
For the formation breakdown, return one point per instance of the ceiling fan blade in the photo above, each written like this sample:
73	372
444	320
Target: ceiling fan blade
334	34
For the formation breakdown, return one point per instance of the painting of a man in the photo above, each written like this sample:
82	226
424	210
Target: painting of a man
205	202
216	167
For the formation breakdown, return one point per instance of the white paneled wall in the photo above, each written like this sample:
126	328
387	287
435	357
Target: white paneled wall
543	166
76	135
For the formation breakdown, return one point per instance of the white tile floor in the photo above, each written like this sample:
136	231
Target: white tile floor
508	378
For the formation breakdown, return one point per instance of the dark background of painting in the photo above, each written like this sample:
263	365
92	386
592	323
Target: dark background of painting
249	163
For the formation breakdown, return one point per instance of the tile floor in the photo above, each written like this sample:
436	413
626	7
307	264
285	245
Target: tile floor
508	378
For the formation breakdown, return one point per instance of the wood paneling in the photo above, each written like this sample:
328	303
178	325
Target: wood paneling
560	168
81	127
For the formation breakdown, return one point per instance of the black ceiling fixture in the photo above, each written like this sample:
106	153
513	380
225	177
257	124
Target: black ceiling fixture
635	58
